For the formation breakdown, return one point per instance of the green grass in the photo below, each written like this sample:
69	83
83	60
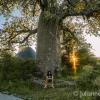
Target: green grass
29	91
36	92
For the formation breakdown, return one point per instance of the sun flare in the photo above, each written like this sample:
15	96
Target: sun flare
74	59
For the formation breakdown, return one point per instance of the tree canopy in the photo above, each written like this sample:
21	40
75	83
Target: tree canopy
75	17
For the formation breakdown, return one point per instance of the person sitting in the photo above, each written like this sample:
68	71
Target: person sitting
49	79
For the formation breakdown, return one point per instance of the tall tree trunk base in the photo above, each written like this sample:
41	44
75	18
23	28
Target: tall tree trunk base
48	44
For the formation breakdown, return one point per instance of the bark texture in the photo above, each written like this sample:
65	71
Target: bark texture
48	43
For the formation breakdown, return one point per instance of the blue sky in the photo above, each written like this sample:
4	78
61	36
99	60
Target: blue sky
2	21
15	13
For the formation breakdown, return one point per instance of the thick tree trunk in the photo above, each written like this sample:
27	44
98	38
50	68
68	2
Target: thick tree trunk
48	43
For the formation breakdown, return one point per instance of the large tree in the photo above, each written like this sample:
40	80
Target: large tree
51	15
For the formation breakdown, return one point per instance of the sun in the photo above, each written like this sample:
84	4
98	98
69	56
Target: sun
74	59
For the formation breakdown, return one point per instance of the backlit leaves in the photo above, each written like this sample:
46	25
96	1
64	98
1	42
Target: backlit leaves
80	6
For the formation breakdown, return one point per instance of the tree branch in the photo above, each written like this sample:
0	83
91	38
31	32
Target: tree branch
85	12
72	33
43	4
30	33
28	36
20	32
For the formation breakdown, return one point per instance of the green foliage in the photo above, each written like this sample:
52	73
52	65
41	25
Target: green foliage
86	57
12	68
17	72
87	78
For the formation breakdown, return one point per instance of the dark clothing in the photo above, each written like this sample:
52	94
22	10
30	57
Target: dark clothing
49	76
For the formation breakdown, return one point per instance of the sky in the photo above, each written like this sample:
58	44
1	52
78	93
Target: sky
2	20
94	41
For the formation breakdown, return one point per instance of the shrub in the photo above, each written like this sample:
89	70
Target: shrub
13	68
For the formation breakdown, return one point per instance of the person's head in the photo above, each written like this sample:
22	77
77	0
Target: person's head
49	72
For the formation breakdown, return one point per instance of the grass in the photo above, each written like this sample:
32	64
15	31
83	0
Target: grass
36	92
30	91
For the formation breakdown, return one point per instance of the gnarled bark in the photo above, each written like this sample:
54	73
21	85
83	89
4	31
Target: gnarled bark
48	43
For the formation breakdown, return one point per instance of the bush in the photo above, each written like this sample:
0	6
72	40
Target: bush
13	68
86	78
